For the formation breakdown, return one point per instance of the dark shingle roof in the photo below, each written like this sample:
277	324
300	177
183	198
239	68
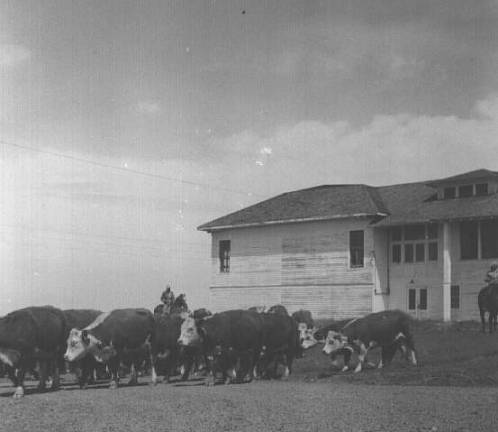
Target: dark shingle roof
410	203
470	176
389	205
322	202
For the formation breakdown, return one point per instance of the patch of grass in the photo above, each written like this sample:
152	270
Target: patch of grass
449	354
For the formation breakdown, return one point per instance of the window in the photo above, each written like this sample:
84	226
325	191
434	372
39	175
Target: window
433	251
356	248
396	251
481	189
455	297
465	191
412	299
396	233
414	243
432	230
420	252
468	240
489	239
449	192
224	254
409	252
423	299
414	232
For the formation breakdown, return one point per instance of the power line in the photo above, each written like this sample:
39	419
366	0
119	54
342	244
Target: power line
129	170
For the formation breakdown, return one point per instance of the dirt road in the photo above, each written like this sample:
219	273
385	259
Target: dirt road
259	406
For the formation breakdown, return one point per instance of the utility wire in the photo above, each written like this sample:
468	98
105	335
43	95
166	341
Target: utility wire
129	170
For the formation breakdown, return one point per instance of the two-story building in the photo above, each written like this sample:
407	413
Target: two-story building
348	250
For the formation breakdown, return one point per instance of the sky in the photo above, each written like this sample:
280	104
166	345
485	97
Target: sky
124	125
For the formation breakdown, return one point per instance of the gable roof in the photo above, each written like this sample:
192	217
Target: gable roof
386	205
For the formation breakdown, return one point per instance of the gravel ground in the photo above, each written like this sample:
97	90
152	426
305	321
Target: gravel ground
260	406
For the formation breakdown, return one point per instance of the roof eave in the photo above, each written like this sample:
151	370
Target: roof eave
288	221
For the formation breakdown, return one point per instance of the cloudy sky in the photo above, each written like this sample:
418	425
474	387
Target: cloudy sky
126	124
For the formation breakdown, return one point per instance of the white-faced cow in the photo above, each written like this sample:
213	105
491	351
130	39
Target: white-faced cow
86	367
111	337
28	336
387	330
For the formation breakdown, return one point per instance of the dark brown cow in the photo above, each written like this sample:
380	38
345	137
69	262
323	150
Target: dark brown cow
111	337
280	344
30	335
229	338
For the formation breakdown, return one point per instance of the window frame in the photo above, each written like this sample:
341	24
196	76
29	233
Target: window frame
224	254
356	251
405	242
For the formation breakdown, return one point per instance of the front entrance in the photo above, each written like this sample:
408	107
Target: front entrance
418	302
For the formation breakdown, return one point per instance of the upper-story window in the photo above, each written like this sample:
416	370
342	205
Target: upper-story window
481	189
224	256
449	192
414	243
356	248
465	191
479	239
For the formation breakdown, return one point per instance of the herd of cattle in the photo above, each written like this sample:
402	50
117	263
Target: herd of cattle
233	346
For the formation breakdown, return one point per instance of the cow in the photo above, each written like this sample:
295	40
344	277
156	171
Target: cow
232	338
165	348
386	329
111	338
487	300
79	319
30	335
278	309
280	344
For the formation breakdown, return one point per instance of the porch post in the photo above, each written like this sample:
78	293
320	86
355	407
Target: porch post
446	272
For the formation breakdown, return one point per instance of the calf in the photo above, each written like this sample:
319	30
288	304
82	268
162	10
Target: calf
111	337
386	329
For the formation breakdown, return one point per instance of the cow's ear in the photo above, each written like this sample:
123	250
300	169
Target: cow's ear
84	337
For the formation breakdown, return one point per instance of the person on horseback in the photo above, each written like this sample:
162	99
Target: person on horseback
168	298
492	275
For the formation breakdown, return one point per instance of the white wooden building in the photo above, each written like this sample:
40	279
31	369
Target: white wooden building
347	250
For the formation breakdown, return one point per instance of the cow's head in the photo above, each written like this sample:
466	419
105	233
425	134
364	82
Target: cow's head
190	334
306	337
80	343
334	342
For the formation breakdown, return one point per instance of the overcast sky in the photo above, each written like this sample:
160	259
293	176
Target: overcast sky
126	124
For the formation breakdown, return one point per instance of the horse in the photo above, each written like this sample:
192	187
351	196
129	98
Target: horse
179	305
487	301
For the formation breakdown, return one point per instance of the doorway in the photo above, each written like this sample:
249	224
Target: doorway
418	302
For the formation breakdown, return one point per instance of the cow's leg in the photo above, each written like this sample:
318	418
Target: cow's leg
361	357
407	343
114	363
188	360
56	378
18	379
482	312
133	374
42	383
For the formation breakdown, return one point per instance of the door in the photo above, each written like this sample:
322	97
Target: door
418	302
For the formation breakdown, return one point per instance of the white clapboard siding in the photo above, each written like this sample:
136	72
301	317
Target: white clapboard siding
305	265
